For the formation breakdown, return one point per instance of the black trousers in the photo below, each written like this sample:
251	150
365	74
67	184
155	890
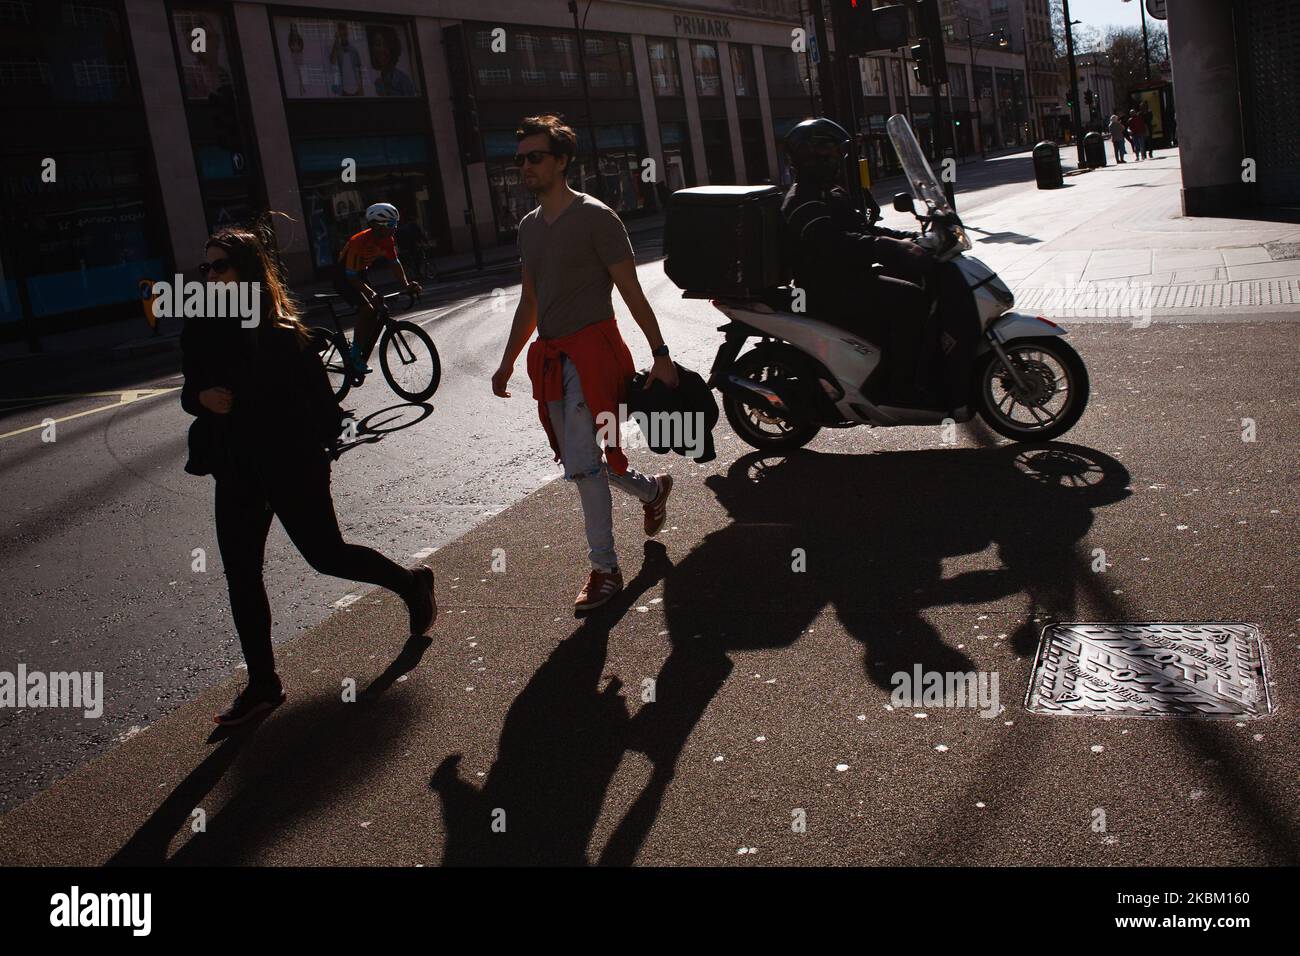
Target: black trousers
296	491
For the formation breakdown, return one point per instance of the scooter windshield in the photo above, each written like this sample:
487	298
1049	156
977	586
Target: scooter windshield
920	178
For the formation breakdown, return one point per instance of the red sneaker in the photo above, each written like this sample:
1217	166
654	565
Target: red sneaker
656	512
600	587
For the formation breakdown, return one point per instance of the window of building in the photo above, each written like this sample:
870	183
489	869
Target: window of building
548	64
742	70
331	58
708	74
665	72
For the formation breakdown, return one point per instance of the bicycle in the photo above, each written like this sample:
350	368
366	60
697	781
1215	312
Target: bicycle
407	355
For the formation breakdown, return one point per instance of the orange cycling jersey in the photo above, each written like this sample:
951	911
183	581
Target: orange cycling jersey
363	249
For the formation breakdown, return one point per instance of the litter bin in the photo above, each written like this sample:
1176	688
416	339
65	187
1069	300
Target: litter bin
1047	166
1094	150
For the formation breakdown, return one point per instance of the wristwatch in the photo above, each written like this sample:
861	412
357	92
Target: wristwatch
661	352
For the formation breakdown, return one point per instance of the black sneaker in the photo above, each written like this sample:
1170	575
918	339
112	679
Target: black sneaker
251	702
421	603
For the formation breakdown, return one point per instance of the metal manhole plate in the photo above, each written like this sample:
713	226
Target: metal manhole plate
1213	671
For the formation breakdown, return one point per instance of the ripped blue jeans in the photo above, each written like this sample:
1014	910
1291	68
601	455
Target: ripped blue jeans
584	465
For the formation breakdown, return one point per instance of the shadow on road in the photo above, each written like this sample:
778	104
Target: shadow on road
374	428
562	741
874	531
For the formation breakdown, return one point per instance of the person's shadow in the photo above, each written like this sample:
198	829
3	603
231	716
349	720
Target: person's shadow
561	743
868	534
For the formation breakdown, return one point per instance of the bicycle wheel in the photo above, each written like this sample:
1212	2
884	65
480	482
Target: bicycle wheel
333	347
410	361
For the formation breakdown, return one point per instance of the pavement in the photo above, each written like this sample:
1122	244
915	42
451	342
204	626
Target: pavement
725	695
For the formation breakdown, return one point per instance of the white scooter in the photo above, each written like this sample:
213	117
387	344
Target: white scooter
806	374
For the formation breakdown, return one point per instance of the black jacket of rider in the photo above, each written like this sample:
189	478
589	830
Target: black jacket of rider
832	248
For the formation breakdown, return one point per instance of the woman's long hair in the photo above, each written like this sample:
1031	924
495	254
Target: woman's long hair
251	250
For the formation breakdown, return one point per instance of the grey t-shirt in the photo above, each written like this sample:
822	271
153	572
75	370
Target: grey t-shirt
569	262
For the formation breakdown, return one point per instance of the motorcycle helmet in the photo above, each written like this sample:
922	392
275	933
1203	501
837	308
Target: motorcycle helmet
383	214
817	149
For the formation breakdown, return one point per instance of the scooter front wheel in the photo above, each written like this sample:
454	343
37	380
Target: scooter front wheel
1051	399
757	426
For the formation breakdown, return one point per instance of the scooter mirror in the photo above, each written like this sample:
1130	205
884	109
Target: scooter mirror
903	203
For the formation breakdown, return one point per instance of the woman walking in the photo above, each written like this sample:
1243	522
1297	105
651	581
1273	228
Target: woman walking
264	418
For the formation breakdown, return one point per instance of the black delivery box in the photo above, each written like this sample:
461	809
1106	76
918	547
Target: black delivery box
725	240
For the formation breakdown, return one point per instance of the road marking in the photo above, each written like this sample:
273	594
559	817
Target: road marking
125	397
423	553
345	601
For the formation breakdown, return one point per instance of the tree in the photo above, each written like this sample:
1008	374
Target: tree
1127	58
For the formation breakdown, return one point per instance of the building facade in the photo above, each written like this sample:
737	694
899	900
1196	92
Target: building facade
136	127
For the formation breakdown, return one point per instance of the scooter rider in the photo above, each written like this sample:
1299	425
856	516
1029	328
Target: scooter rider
835	250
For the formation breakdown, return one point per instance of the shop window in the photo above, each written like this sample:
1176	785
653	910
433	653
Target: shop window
329	58
679	166
665	72
493	77
708	75
393	169
742	70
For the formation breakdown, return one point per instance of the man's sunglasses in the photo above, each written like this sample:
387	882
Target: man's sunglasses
216	267
533	157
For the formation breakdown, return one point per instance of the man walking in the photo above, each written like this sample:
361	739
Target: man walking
1116	130
575	249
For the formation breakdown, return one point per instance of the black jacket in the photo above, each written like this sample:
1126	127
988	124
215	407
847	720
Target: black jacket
691	397
831	247
283	408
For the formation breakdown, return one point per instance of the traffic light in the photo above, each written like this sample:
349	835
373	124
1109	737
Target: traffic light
922	63
930	27
867	30
464	105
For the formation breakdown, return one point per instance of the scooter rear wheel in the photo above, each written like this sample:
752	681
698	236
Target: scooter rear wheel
1053	400
756	426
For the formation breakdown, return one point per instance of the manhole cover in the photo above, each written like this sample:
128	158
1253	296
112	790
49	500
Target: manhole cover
1150	670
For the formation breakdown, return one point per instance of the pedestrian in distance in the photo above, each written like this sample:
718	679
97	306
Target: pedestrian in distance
1138	128
265	419
574	250
1116	130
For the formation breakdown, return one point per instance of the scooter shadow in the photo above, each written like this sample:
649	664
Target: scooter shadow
869	535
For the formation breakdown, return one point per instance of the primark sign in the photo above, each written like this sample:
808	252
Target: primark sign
702	27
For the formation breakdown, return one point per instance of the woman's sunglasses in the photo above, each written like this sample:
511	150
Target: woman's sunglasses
533	157
216	267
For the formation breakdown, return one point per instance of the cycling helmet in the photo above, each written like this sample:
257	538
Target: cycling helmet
817	149
383	214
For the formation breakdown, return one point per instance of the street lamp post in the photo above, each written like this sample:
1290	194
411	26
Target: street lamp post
1029	96
1146	47
1075	118
586	96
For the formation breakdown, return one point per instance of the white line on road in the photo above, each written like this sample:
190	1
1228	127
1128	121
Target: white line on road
125	398
345	601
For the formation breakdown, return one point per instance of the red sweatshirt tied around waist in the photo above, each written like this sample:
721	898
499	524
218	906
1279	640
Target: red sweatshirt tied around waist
604	365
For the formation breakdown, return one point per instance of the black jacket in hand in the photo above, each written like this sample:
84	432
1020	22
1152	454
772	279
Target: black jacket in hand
832	247
692	397
283	408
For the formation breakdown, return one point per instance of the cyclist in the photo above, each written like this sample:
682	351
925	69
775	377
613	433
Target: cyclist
350	277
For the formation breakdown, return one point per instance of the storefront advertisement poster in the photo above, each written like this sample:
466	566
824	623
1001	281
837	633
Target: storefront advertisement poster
328	59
